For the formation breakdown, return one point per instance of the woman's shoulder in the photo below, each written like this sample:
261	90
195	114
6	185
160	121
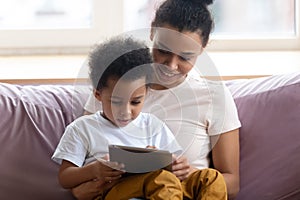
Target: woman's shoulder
149	121
149	118
212	83
86	119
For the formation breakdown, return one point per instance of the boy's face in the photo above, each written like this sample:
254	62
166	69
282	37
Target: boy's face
122	100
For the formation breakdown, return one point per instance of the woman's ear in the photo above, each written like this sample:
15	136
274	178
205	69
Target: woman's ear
152	32
97	94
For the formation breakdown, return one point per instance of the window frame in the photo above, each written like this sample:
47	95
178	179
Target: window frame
292	43
79	41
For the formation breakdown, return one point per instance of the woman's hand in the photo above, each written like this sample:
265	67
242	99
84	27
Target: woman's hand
91	189
88	190
181	167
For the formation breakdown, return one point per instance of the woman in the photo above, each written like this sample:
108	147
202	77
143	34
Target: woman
201	113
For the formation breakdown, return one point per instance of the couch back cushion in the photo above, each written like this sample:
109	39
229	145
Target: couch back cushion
269	110
32	120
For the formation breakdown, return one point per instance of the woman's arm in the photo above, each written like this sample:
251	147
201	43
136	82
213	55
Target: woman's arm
91	189
225	156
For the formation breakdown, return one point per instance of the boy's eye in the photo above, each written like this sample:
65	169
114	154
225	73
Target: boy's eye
116	102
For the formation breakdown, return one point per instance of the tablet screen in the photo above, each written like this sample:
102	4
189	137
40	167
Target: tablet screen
140	160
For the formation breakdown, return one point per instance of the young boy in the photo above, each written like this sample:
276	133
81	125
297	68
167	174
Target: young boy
120	71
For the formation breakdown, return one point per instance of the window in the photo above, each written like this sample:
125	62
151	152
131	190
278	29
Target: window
74	25
239	25
20	14
56	25
256	25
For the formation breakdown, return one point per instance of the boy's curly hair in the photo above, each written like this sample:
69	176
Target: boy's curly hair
118	57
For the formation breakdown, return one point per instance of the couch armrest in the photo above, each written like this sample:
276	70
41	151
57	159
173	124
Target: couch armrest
269	110
33	118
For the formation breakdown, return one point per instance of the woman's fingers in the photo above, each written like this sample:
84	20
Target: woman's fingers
112	178
110	184
88	190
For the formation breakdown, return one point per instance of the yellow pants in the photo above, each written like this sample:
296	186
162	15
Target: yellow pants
157	185
206	184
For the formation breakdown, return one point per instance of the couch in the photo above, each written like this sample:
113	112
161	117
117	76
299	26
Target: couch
33	118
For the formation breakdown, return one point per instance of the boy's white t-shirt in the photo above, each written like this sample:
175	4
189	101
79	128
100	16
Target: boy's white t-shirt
194	110
88	137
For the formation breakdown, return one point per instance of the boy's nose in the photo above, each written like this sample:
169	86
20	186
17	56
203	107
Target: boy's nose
172	62
125	111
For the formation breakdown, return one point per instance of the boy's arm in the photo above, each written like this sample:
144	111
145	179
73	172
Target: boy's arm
85	112
71	175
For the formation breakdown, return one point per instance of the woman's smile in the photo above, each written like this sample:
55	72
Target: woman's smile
166	77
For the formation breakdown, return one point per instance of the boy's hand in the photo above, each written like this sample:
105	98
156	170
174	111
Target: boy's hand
151	147
181	167
107	171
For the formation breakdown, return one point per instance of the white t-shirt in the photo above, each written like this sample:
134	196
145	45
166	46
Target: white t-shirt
194	110
88	137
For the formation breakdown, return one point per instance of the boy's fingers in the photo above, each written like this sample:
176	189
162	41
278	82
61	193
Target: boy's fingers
174	157
116	166
114	173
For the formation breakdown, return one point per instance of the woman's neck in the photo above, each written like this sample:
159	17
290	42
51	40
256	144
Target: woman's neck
158	87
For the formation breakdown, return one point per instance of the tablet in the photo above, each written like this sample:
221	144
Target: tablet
140	160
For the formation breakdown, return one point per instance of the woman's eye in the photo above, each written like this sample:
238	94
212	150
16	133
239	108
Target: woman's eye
135	102
184	58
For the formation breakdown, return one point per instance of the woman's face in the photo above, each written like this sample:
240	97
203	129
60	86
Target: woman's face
175	54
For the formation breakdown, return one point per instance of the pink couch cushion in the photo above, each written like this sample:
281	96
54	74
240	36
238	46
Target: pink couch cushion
269	110
32	120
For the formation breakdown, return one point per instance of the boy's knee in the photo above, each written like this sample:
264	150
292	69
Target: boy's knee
211	184
210	175
165	176
162	184
212	172
165	173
